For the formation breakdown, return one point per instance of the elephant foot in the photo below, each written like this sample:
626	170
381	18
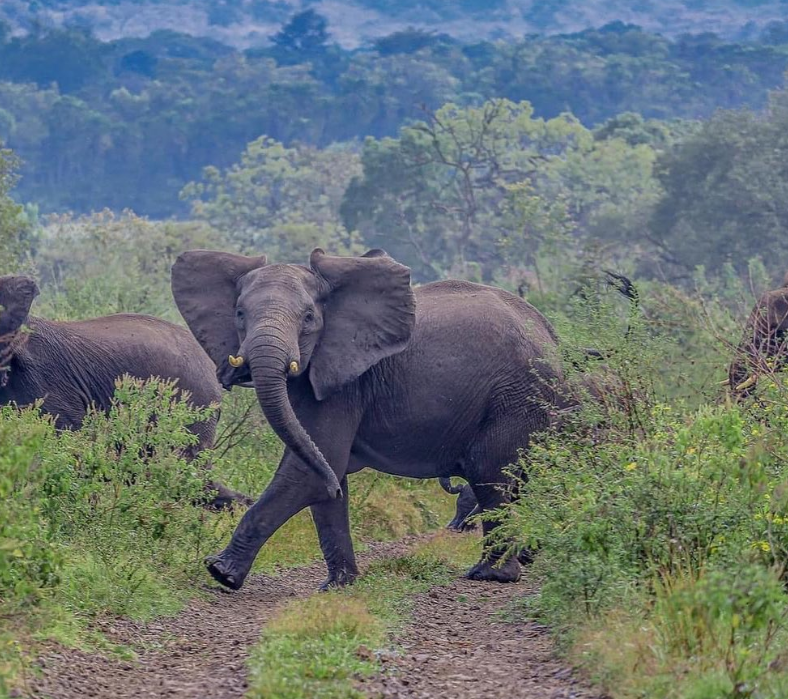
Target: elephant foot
225	571
220	497
338	579
484	570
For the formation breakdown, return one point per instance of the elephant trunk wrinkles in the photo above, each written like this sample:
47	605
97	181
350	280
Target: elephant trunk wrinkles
269	364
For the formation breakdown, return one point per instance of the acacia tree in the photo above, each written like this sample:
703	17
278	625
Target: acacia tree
469	190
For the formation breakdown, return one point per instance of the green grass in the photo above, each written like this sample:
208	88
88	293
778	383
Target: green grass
92	530
316	647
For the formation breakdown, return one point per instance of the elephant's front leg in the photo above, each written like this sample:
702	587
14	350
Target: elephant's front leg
291	490
332	521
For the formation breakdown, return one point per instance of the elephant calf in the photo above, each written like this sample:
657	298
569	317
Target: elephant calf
765	338
466	506
73	366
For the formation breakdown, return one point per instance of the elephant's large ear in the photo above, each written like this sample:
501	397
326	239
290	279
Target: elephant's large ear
369	314
16	297
205	287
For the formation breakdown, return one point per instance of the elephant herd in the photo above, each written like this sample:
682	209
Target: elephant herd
353	367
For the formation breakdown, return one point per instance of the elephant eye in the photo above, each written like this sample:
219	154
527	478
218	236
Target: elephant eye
309	317
239	314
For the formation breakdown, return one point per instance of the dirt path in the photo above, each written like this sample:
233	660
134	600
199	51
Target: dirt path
460	646
457	648
199	654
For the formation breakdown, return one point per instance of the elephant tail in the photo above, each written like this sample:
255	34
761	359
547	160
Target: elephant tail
449	488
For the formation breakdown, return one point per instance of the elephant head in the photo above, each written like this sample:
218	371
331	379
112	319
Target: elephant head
16	296
328	322
765	337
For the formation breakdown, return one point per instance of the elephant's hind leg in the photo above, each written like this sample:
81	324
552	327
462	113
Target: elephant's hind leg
496	564
490	455
332	521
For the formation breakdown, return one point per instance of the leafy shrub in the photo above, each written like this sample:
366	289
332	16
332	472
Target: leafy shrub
104	518
29	464
663	530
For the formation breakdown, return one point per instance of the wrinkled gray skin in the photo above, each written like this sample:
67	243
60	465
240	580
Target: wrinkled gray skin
595	386
354	368
765	338
599	386
73	365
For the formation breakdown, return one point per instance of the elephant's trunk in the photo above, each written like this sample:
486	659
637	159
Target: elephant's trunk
269	360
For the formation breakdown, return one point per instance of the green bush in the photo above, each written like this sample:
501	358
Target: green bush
662	530
103	519
29	464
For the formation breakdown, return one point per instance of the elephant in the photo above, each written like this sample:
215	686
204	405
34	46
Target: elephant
765	338
594	386
467	506
598	385
72	366
354	367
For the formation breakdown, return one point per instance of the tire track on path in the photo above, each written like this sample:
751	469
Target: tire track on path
456	646
199	654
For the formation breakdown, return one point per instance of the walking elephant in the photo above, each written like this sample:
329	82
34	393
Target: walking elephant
73	366
355	368
765	338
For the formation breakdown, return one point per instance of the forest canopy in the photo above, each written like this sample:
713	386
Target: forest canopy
127	123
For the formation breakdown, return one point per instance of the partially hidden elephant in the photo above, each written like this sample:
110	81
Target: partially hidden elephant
72	366
466	506
598	385
765	340
355	368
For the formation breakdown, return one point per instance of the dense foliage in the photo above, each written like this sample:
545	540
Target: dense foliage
661	525
360	21
127	123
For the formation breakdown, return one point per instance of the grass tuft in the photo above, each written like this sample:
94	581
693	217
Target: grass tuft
316	647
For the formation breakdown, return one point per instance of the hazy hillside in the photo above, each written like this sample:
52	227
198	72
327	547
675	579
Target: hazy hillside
355	22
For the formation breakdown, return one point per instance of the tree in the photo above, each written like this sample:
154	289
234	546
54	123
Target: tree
475	191
303	37
278	200
14	227
725	195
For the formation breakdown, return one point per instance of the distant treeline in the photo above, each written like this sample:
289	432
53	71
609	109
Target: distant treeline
128	123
